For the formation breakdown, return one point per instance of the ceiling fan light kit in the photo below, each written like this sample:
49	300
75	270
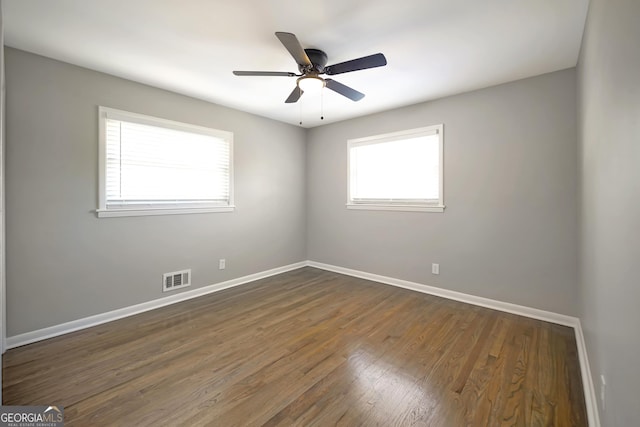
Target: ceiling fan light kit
312	63
311	84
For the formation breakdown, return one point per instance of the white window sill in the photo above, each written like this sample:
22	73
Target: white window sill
406	208
110	213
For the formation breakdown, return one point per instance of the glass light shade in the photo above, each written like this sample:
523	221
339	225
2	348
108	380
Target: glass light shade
310	84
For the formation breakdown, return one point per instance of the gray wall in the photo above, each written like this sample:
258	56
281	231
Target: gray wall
63	263
509	231
2	228
609	105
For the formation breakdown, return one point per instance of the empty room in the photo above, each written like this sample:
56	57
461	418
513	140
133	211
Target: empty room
352	212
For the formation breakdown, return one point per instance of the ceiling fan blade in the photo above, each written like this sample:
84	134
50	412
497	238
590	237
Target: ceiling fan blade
264	73
344	90
290	41
294	96
371	61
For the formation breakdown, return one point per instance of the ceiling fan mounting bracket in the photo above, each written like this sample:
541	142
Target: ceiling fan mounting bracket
318	60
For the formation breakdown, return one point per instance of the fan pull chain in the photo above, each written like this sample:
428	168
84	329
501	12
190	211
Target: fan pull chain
322	103
300	110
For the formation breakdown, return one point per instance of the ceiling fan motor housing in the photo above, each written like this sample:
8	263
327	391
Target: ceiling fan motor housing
318	60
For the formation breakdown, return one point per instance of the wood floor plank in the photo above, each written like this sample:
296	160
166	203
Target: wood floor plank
307	347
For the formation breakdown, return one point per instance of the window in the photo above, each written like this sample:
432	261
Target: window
397	171
151	166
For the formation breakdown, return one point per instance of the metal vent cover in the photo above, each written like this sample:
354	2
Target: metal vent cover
176	280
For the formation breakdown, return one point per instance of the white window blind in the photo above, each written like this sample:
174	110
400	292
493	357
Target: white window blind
151	163
402	169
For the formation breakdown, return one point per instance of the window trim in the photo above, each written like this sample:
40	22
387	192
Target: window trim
167	208
399	205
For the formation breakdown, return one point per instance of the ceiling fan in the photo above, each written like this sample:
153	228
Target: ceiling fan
312	64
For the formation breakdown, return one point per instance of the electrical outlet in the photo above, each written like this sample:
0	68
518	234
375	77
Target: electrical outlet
435	268
603	391
222	264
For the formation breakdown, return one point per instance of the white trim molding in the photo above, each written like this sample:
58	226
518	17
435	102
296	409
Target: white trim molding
369	202
114	213
590	400
110	137
98	319
405	208
521	310
534	313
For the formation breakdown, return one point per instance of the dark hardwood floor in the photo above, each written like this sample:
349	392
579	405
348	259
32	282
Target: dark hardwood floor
308	347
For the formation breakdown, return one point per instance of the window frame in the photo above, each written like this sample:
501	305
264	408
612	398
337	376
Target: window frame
169	208
436	206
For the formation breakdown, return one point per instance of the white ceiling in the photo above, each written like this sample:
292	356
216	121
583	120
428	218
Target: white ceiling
434	48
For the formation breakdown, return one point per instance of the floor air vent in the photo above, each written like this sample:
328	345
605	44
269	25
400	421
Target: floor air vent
176	280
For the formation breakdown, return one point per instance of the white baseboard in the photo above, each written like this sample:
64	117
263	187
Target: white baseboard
561	319
521	310
98	319
534	313
590	399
